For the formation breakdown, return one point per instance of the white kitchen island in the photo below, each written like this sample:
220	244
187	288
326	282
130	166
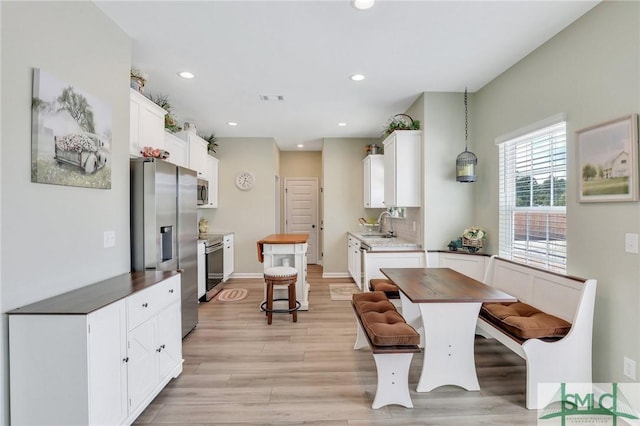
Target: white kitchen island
287	250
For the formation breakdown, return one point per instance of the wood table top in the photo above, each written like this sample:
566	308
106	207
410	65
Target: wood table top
443	285
280	239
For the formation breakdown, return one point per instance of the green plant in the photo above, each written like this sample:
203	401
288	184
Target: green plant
211	141
169	120
401	122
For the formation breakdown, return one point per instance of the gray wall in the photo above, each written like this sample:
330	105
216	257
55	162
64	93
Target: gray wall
52	236
591	72
250	214
343	198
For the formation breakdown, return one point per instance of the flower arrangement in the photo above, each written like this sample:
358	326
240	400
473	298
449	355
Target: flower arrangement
150	152
473	238
401	122
474	233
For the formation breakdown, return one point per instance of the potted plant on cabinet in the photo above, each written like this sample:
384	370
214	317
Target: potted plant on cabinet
169	120
211	142
401	122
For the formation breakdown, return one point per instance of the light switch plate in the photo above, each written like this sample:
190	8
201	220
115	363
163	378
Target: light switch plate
109	239
631	243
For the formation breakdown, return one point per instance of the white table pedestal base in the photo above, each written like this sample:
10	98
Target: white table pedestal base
449	340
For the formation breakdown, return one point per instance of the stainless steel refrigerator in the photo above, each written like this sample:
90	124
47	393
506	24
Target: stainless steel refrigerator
164	226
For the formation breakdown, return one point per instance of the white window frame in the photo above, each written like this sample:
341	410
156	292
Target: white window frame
546	251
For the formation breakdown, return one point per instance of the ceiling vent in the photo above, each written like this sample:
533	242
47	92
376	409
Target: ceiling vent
272	98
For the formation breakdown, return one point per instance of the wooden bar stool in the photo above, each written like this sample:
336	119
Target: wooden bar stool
281	275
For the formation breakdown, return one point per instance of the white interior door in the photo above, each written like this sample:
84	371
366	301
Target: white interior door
301	206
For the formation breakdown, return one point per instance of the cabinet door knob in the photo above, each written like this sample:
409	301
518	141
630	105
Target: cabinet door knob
145	305
170	290
125	360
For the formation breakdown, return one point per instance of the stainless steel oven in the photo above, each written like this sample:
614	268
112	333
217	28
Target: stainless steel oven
214	252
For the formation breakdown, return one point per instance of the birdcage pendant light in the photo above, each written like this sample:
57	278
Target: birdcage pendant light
466	161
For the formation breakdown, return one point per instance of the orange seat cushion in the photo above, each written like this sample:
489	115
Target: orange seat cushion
382	322
387	286
523	321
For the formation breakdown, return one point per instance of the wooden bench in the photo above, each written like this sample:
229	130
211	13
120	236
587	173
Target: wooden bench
393	343
550	359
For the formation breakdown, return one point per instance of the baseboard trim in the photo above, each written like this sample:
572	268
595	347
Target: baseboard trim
247	275
336	275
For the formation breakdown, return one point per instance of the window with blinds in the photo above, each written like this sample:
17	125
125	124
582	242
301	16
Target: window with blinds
532	210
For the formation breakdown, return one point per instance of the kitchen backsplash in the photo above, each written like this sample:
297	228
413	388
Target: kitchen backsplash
403	228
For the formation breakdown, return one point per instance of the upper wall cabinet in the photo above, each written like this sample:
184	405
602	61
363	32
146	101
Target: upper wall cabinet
197	153
373	179
402	161
178	149
146	124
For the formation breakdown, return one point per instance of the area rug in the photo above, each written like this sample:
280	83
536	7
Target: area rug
343	291
232	294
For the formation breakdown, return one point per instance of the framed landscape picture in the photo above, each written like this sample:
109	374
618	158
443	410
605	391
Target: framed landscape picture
70	135
608	161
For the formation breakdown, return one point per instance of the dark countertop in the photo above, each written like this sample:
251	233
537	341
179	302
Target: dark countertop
85	300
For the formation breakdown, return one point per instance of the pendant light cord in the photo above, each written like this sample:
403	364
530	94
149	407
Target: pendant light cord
466	123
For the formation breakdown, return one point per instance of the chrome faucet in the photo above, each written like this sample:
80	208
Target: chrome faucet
391	232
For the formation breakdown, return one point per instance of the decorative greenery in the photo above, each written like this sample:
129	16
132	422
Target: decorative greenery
474	233
211	140
401	122
169	120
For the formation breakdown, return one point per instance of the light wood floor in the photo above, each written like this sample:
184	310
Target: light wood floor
239	370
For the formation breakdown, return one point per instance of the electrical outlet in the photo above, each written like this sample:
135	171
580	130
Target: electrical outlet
629	368
109	239
631	243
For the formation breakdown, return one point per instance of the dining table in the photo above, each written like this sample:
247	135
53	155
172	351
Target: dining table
443	305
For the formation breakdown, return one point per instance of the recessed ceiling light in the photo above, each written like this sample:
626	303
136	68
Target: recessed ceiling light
232	123
362	4
186	74
300	145
357	77
342	124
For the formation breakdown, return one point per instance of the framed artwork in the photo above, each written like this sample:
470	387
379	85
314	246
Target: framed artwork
70	135
608	161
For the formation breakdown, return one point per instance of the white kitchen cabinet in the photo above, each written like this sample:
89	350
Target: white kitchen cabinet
178	149
296	253
373	179
198	153
354	262
402	160
146	124
212	170
154	340
202	270
228	257
74	358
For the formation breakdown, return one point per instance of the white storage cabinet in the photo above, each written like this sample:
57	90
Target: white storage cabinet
402	160
178	149
228	258
373	180
297	255
212	170
354	260
198	153
68	366
146	125
202	270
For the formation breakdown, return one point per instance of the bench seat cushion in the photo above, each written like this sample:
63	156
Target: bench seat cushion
524	321
387	286
382	322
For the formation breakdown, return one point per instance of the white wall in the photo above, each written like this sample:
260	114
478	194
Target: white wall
52	236
250	214
343	198
591	72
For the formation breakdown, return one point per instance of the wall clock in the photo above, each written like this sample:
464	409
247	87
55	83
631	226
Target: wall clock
245	181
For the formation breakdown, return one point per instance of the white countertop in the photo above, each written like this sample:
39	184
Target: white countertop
378	243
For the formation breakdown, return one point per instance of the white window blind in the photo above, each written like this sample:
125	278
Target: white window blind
532	210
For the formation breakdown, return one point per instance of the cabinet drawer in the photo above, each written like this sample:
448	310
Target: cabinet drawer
145	304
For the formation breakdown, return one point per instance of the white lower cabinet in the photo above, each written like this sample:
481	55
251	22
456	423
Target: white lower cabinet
472	265
75	368
228	258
